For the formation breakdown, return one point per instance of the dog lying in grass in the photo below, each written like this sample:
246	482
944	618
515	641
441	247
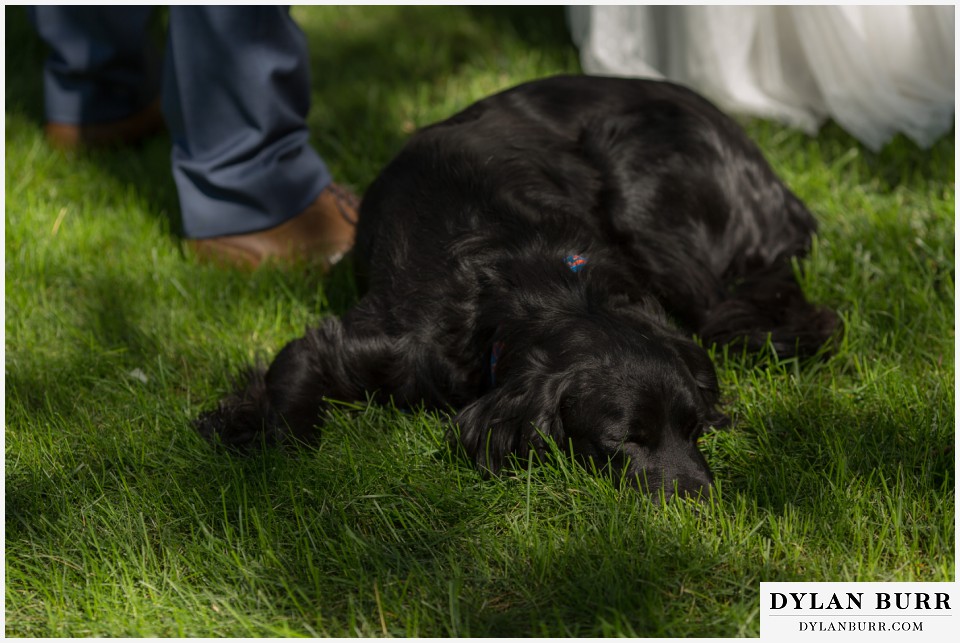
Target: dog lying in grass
537	265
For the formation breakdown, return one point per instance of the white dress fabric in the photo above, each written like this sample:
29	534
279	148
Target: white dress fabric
875	70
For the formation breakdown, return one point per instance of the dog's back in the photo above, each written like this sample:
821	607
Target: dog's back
647	172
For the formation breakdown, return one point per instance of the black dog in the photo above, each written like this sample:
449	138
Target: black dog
527	260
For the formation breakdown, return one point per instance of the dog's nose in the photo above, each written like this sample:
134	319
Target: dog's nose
685	488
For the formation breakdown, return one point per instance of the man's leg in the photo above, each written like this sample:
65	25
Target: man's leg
236	92
102	78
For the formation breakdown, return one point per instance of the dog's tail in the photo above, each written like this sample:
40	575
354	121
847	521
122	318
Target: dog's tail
770	306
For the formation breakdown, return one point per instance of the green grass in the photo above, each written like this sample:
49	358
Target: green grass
120	521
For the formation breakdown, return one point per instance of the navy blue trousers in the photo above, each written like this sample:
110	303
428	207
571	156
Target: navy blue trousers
234	85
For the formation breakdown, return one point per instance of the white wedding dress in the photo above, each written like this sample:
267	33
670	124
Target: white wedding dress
875	70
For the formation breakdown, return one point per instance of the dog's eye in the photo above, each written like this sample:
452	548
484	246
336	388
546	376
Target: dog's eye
640	434
570	412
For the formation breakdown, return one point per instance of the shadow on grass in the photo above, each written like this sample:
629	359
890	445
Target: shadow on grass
900	164
838	449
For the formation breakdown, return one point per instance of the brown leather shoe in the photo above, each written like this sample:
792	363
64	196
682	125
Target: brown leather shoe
322	234
130	130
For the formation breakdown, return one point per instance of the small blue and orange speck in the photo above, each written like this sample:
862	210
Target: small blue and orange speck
575	262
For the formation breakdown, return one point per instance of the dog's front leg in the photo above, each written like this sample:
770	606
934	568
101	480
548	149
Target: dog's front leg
330	362
284	402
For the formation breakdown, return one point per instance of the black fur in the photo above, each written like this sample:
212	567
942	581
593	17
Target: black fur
463	238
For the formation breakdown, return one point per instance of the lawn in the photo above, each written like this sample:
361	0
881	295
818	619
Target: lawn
120	521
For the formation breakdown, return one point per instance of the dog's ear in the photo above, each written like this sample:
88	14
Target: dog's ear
515	418
705	375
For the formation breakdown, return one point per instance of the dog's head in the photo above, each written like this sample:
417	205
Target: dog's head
623	393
